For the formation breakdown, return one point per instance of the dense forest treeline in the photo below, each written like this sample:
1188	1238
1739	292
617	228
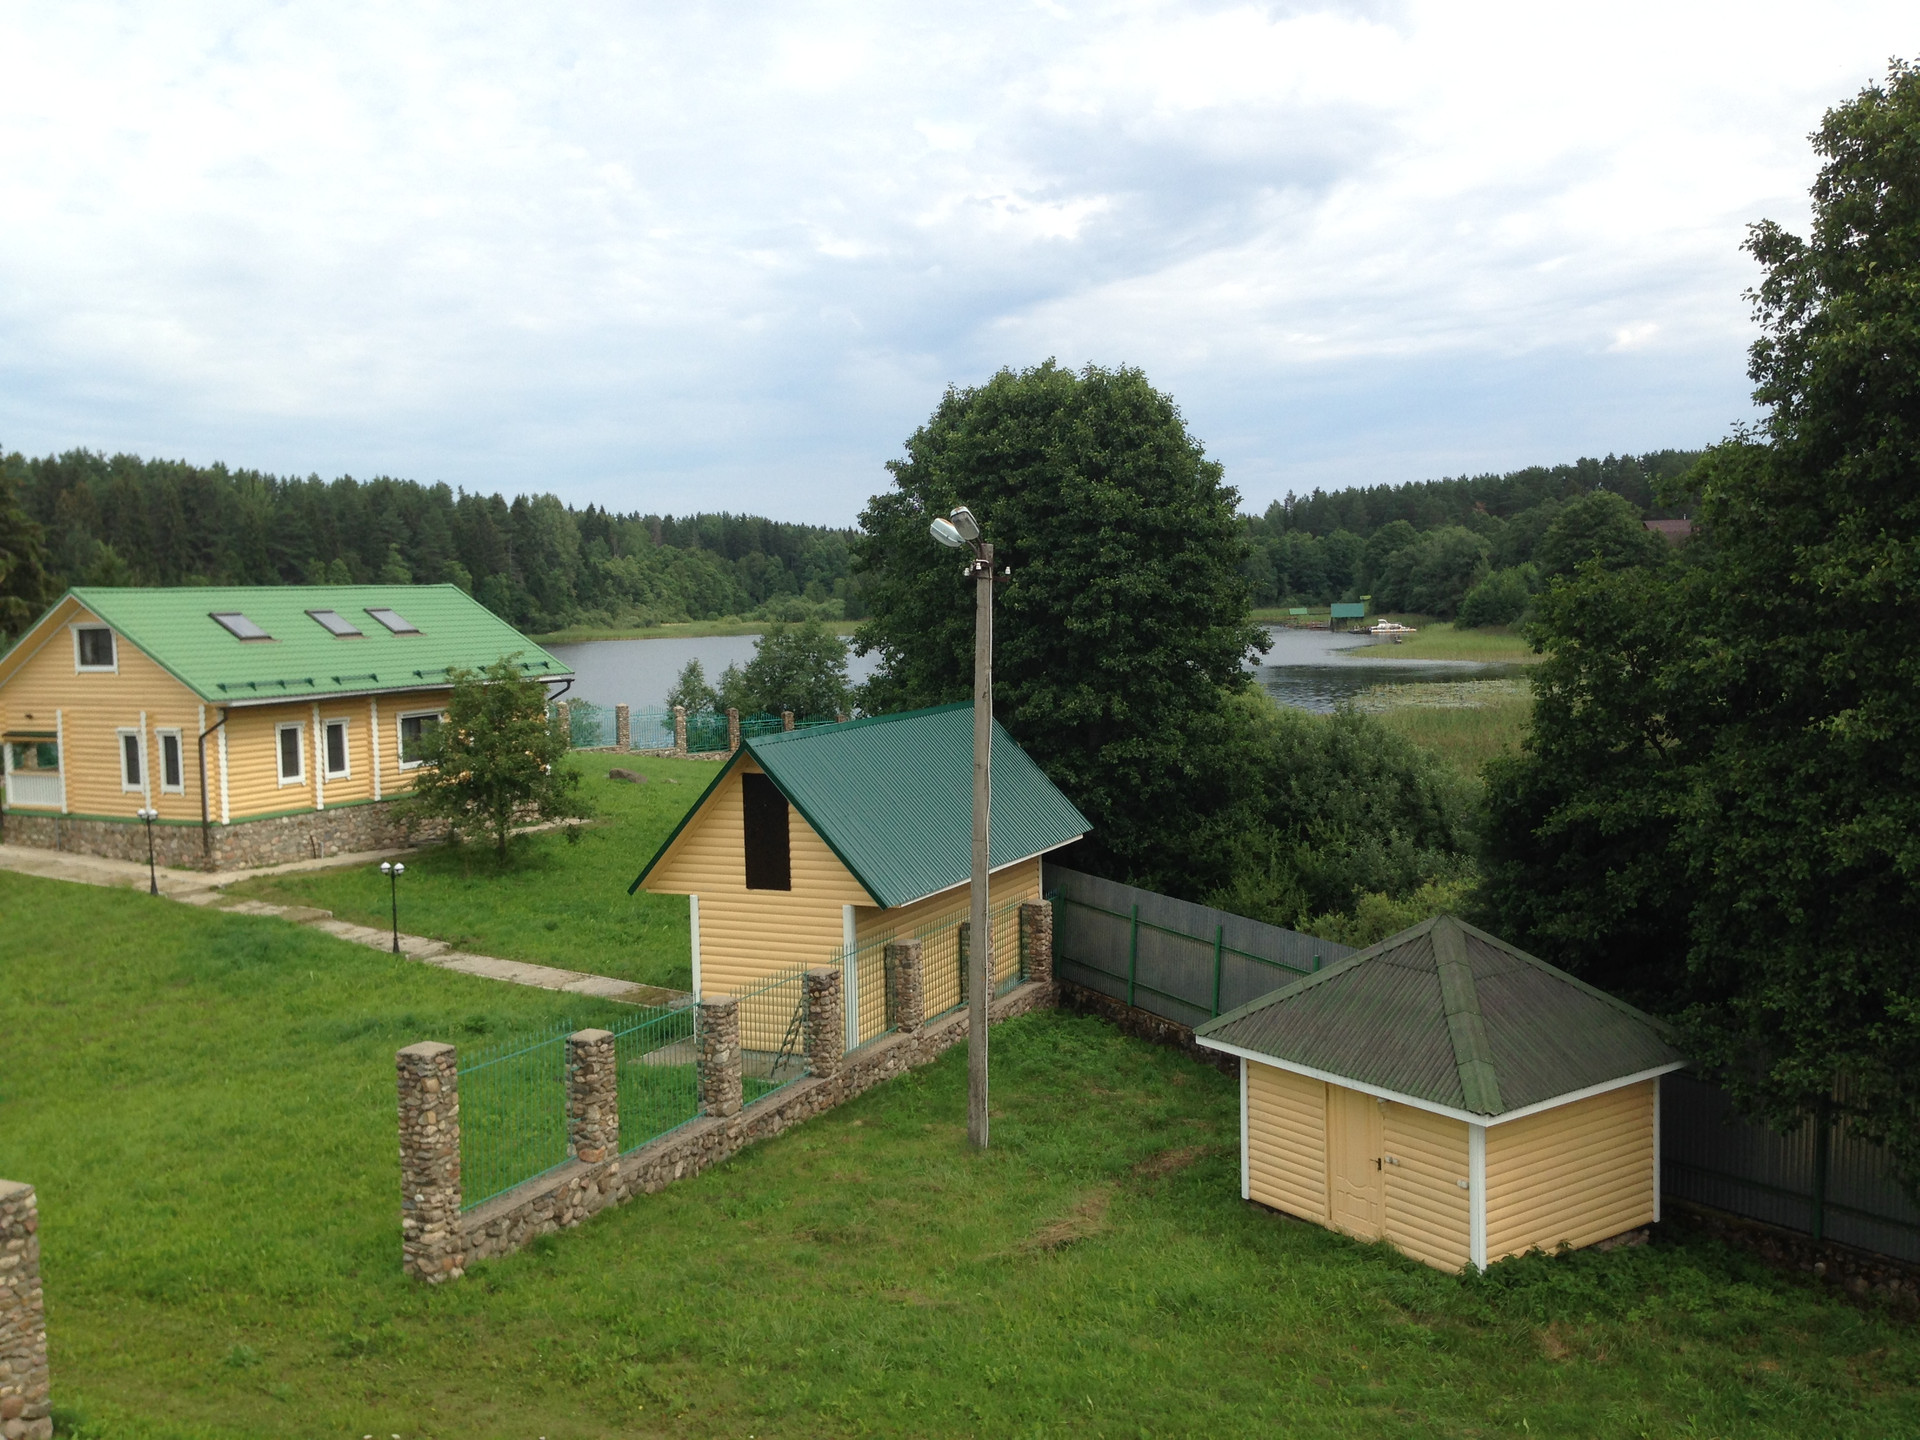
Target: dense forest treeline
87	518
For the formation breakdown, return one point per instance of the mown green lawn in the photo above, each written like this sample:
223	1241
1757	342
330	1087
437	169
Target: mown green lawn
559	900
206	1102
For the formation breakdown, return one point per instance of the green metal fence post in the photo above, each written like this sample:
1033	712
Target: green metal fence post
1822	1140
1133	952
1219	935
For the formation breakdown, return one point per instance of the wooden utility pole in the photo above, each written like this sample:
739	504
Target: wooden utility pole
980	930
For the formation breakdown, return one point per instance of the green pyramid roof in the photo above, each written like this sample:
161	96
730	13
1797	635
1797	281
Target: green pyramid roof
1446	1014
892	795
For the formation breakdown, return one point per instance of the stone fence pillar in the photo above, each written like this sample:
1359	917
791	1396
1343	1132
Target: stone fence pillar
786	720
1036	940
733	730
906	987
593	1096
25	1405
565	707
826	1022
679	729
963	950
430	1247
717	1056
623	727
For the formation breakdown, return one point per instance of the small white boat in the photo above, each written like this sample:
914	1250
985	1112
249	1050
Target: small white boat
1393	630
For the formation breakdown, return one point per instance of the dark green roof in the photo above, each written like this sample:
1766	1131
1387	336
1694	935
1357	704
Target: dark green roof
892	795
175	627
1448	1014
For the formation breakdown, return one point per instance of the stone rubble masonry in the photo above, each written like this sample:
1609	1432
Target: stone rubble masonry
566	719
826	1022
25	1404
733	731
1036	940
906	986
593	1096
622	727
680	730
431	1245
1142	1024
578	1190
786	720
308	835
716	1031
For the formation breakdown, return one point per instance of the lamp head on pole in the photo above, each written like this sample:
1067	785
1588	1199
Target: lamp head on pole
946	533
389	868
965	524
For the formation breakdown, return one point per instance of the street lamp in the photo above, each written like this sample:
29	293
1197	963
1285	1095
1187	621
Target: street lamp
393	870
959	530
149	814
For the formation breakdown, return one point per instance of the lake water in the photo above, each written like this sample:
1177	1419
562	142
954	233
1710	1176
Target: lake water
1307	669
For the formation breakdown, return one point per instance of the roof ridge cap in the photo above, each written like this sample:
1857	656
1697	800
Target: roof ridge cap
1328	972
1466	1027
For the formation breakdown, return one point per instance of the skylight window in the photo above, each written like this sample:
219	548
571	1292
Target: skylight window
393	620
240	626
335	623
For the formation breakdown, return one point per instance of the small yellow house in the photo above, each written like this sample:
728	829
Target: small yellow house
813	845
263	723
1453	1095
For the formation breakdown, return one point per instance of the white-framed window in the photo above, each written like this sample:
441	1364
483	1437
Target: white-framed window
413	726
334	739
173	767
290	742
132	758
94	650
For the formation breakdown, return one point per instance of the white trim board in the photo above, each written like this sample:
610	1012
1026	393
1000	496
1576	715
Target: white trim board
1246	1166
1477	1196
1380	1092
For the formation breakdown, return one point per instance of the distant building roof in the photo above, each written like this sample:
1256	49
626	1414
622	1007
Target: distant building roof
1676	531
892	796
279	642
1448	1015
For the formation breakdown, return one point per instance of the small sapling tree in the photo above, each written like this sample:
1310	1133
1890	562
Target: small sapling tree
495	761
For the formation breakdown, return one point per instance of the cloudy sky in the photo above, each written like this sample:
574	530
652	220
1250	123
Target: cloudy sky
677	256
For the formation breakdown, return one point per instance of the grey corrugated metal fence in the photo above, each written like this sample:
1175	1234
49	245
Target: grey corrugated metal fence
1184	962
1830	1185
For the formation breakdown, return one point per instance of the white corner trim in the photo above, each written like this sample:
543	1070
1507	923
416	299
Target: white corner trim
1246	1166
693	920
319	760
60	740
373	740
1477	1195
1380	1092
850	973
146	755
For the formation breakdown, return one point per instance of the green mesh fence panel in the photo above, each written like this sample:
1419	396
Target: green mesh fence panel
773	1034
513	1112
659	1087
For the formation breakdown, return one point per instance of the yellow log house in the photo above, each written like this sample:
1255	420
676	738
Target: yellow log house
1452	1095
815	845
263	723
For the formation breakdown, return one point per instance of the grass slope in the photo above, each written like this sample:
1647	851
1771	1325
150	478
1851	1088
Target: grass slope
206	1103
557	901
1440	640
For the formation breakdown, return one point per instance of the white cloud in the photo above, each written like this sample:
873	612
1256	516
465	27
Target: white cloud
678	256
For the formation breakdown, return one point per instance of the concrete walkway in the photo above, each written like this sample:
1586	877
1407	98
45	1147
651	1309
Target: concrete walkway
196	887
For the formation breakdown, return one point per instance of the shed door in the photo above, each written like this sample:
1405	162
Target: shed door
1356	1188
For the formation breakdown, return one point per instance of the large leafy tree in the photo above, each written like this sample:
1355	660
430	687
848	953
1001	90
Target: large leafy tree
1123	630
494	762
802	668
1721	798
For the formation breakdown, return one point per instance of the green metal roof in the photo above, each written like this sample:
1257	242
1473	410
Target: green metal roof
892	795
175	627
1448	1014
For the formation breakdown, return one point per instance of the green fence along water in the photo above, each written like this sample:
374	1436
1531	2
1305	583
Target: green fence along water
654	1062
513	1112
773	1034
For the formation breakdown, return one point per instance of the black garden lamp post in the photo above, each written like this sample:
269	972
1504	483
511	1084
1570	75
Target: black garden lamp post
393	871
149	814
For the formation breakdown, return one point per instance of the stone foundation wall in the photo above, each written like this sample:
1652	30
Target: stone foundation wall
579	1189
241	845
24	1398
1860	1273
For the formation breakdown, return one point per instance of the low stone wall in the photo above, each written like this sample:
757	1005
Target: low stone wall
24	1386
1860	1273
241	845
1142	1024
